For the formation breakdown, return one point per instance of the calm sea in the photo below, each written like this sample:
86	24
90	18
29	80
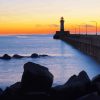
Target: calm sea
63	60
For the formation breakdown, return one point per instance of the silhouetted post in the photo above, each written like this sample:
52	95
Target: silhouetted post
96	26
75	30
79	29
62	24
96	29
86	29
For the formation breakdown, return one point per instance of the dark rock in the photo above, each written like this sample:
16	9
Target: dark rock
1	91
95	87
36	78
34	55
96	79
5	57
75	87
17	56
13	89
92	96
71	80
12	92
6	93
84	78
83	75
36	96
95	84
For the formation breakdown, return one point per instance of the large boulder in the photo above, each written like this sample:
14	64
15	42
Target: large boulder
75	87
5	57
16	56
14	93
36	78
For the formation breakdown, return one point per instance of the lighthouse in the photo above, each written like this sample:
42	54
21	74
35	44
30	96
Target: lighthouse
61	33
62	24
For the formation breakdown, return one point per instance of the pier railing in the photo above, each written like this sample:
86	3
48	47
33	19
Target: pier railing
89	44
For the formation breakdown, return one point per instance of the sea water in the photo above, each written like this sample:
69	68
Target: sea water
63	60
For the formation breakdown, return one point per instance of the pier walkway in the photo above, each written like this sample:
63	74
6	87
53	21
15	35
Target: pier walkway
89	44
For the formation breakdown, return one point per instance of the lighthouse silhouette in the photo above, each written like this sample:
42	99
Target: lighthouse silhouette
62	24
62	32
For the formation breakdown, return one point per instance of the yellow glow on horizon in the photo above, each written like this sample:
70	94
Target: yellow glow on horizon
36	16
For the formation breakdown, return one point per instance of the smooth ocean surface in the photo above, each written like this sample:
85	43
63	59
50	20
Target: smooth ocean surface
63	60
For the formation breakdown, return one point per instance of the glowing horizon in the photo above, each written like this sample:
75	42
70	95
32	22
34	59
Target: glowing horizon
34	16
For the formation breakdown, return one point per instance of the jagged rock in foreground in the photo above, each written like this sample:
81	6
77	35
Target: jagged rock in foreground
36	84
36	81
12	91
36	78
74	88
1	91
96	84
92	96
96	79
5	57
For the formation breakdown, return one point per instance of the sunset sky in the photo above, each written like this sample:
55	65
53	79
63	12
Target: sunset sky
42	16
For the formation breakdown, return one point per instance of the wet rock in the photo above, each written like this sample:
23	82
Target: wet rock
75	87
84	78
1	91
12	92
5	57
95	87
34	55
71	80
92	96
13	89
95	84
36	96
96	79
36	78
16	56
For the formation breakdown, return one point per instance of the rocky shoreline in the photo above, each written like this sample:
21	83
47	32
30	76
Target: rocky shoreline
36	84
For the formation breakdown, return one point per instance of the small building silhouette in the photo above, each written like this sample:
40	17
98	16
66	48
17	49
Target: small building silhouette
62	31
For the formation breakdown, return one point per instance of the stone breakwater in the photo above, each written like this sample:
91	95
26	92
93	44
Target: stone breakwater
16	56
36	84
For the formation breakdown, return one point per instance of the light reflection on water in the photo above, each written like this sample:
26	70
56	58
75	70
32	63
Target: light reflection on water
64	60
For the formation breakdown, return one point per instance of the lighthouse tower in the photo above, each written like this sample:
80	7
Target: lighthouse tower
62	33
62	24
